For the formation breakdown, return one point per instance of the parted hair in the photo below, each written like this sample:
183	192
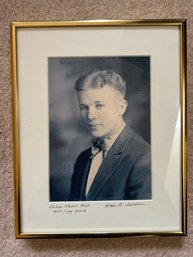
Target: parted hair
99	79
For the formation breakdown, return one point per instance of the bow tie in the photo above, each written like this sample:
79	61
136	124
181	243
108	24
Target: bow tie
99	145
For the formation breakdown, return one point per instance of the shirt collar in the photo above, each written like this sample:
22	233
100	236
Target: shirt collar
112	138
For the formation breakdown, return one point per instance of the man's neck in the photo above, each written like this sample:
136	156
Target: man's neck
116	131
109	140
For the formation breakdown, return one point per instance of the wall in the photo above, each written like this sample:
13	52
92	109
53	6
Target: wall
26	10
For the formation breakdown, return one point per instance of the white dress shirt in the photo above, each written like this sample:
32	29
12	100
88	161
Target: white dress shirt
98	156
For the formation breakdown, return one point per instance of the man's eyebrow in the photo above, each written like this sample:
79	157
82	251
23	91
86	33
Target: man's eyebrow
95	102
98	101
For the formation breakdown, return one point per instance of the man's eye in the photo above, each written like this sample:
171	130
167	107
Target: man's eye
99	106
83	108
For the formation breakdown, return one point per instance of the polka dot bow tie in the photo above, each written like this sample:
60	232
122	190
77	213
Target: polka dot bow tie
98	145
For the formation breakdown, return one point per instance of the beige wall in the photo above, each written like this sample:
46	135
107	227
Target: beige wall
26	10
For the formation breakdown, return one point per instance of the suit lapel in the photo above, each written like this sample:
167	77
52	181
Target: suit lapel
110	163
84	179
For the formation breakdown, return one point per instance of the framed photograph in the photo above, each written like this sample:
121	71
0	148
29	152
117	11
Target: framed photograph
99	128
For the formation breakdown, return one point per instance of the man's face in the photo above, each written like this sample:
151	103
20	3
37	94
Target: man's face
101	110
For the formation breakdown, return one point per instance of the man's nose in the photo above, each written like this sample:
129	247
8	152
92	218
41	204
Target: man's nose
91	113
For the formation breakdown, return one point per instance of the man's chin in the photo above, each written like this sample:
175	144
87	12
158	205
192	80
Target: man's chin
96	134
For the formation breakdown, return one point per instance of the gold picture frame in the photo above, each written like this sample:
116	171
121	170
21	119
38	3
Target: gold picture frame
34	45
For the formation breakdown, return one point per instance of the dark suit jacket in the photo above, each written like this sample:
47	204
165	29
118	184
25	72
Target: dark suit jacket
125	173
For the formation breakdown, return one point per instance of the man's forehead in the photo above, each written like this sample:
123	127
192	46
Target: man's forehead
102	92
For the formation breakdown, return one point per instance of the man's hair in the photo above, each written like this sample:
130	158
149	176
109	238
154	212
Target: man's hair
99	79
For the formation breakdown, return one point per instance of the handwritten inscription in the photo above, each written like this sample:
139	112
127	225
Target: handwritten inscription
82	208
69	208
123	204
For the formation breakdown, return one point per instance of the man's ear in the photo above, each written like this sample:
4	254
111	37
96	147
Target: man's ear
123	106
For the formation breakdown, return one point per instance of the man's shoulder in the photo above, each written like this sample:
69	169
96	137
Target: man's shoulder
85	154
137	153
139	141
134	144
129	136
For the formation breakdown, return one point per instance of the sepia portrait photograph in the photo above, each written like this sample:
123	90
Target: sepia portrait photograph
99	128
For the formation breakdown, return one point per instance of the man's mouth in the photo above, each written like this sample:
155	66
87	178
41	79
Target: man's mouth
93	126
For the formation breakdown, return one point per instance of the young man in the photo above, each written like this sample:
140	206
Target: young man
117	165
